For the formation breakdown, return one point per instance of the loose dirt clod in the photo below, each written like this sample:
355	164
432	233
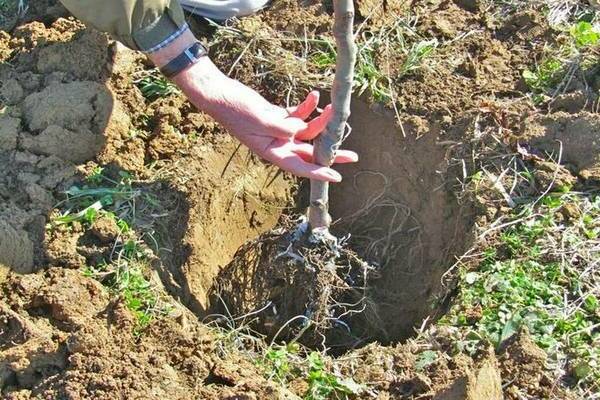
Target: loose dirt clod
16	249
482	383
61	337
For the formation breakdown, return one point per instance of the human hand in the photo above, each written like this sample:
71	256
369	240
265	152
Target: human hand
274	133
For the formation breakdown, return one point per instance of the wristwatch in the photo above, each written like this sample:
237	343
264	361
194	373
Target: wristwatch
188	57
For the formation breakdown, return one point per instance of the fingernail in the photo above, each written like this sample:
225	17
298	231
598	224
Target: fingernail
334	175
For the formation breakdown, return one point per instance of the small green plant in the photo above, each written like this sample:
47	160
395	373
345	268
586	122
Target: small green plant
559	63
101	195
545	75
417	53
324	385
527	280
425	359
124	276
154	86
324	55
290	361
277	361
95	177
585	34
368	75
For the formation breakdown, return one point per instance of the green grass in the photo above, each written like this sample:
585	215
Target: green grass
324	385
284	363
289	362
100	196
542	275
418	52
585	34
545	75
548	76
369	74
285	54
153	85
124	275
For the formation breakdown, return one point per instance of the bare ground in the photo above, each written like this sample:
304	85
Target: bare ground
63	336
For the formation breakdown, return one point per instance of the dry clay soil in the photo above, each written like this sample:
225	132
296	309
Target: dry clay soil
70	103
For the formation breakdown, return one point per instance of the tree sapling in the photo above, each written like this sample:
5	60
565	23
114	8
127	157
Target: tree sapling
328	143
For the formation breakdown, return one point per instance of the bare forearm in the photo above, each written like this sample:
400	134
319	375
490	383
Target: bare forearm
202	82
274	133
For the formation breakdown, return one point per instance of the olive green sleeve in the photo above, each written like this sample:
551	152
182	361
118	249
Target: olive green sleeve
139	24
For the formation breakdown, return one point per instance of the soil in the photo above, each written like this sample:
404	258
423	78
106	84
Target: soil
69	104
63	338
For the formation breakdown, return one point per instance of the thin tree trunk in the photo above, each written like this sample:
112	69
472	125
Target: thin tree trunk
327	143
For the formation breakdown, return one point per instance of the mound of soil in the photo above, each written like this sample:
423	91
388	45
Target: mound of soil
573	139
68	99
61	337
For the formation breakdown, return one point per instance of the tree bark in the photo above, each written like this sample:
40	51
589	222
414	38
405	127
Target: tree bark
329	141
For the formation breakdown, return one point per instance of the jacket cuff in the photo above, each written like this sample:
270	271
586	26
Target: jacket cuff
166	28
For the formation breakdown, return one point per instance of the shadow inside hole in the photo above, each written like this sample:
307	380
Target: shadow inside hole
401	213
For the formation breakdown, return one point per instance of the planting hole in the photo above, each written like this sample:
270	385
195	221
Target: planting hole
397	206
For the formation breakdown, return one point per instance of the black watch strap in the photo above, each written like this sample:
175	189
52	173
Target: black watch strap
188	57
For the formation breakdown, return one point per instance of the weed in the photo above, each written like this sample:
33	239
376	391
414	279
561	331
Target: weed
124	276
95	177
86	203
324	385
368	76
540	276
417	53
585	34
545	75
553	73
291	361
154	86
285	54
557	12
277	360
425	359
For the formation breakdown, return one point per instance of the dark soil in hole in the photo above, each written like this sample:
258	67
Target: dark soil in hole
402	219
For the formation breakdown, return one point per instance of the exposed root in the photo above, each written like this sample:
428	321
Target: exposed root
381	243
317	293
